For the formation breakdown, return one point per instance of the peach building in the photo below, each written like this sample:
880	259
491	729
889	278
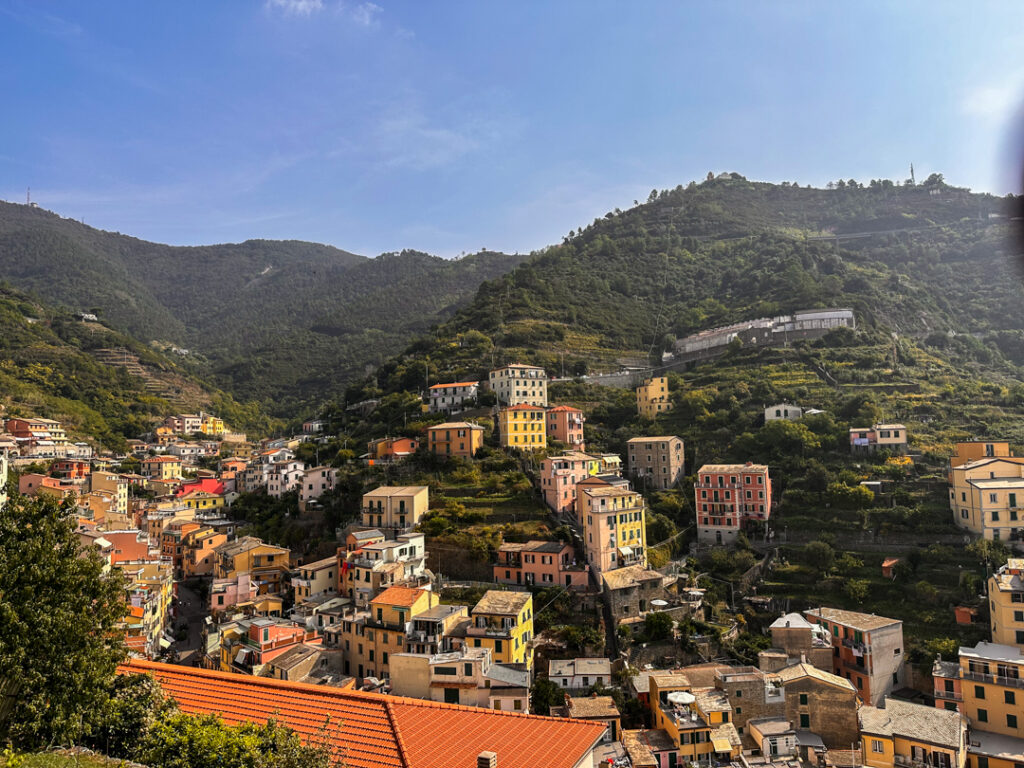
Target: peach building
559	476
540	563
565	424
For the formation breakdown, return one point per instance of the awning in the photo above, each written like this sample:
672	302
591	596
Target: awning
165	643
625	551
721	745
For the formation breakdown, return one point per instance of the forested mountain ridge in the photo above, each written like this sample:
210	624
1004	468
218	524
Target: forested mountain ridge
929	261
283	322
50	366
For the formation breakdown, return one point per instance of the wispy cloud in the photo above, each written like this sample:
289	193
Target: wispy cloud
412	141
994	101
365	14
295	7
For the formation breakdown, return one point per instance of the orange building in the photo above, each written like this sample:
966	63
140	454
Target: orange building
455	438
387	449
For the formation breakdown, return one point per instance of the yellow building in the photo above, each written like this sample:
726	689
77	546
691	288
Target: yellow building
503	622
614	526
314	578
165	468
906	734
395	507
1006	603
368	638
990	677
266	564
987	497
202	501
973	450
522	426
698	720
652	397
992	684
114	484
211	425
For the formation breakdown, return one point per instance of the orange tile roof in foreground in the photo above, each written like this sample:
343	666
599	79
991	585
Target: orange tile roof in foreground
377	731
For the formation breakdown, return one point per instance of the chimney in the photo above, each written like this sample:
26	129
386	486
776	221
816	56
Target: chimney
487	760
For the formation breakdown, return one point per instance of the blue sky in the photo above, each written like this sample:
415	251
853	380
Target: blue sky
454	126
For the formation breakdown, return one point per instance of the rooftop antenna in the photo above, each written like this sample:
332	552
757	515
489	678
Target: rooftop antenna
28	196
913	181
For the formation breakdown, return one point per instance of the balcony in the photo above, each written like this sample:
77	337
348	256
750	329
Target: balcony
936	762
500	632
851	643
1009	682
949	695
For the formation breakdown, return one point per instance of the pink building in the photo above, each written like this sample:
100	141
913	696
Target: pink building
269	638
226	593
540	563
558	478
730	497
565	424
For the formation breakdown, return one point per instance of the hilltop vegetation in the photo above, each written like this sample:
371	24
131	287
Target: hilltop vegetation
280	321
728	249
47	368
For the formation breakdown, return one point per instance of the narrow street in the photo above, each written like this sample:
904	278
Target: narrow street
190	609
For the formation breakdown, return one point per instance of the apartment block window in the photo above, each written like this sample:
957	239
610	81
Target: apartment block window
1009	697
803	698
993	498
979	691
1011	721
982	715
805	721
876	746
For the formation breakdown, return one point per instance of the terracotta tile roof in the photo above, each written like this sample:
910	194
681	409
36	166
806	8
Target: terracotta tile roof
564	409
456	384
398	596
377	731
523	407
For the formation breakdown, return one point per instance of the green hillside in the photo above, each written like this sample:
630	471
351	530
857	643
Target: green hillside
281	321
50	367
927	262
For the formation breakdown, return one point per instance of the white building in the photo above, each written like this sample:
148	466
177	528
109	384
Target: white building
451	398
315	482
284	476
577	674
517	384
786	411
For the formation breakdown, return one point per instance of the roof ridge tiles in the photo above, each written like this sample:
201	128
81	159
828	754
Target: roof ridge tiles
398	733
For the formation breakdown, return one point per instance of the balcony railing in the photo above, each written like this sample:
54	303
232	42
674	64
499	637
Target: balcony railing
1010	682
949	695
489	631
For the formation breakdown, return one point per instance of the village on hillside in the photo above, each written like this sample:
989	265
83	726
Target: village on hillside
592	624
